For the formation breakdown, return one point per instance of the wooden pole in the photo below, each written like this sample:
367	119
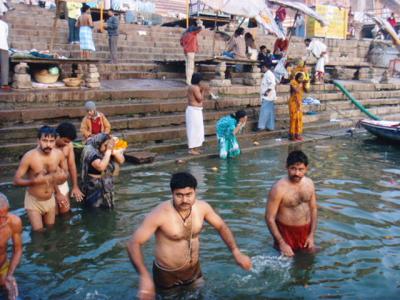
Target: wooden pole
101	29
187	13
56	17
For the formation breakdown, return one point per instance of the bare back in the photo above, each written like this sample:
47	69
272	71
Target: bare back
195	96
294	207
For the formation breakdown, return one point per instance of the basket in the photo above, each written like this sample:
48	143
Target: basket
44	76
72	82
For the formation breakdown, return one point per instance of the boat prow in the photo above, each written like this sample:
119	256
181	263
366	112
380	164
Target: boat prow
389	130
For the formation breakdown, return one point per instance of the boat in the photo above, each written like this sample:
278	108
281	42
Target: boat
389	130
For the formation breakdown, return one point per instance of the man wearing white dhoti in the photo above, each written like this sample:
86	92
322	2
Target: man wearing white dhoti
266	119
194	115
320	51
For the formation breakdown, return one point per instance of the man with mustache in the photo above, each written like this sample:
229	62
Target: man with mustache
41	170
177	224
291	211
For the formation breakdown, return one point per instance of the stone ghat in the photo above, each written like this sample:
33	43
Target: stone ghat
153	120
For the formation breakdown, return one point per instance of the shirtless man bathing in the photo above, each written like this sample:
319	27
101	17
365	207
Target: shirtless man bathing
40	170
177	224
291	212
10	228
66	134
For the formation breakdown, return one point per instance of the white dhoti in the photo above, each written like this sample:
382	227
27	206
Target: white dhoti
194	126
64	188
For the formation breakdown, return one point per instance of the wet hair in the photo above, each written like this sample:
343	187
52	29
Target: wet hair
85	8
182	180
240	114
296	156
66	130
196	78
263	47
46	131
239	31
307	41
4	201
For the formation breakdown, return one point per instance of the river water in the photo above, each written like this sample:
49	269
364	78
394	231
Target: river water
358	192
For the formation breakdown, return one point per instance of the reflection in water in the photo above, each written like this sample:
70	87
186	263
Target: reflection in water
357	184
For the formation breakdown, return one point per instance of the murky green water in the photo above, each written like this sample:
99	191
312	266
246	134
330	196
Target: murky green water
358	189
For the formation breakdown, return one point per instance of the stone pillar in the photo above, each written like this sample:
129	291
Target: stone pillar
219	79
21	78
92	77
253	78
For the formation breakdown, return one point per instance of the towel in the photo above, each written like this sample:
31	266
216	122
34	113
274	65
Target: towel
194	126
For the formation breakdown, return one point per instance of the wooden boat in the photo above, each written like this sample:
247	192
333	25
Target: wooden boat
389	130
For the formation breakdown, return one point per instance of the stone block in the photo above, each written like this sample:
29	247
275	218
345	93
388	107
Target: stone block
92	80
220	82
93	85
93	75
92	69
252	81
253	75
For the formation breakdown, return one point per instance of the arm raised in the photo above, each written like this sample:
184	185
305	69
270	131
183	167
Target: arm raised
216	221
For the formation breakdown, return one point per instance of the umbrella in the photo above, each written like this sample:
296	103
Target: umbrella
249	9
301	7
384	24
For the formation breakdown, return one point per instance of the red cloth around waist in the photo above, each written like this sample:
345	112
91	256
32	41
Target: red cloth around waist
294	236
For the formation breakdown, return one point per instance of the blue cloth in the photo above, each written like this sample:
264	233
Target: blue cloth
86	38
228	54
266	119
112	26
300	31
227	141
73	35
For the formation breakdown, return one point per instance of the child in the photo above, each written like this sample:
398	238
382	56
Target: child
94	122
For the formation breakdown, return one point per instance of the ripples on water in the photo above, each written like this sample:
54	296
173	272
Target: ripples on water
358	190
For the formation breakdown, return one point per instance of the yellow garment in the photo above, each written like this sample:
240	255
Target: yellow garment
295	107
74	10
4	269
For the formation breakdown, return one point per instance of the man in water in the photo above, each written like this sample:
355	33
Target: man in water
177	224
66	134
45	167
10	228
291	212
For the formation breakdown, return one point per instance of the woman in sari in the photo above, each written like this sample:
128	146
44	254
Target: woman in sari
99	161
297	89
227	128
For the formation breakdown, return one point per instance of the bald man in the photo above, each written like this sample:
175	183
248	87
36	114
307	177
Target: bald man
10	228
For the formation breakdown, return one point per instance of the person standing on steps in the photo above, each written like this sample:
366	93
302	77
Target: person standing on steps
85	25
73	11
268	96
194	114
112	26
4	57
190	47
297	89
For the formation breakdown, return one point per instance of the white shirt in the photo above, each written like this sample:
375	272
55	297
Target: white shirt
268	83
316	48
3	35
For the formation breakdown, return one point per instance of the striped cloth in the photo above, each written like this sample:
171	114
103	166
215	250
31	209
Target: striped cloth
86	38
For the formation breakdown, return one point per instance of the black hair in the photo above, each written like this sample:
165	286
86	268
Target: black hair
307	40
240	114
298	75
46	131
248	35
262	47
84	8
239	31
296	156
182	180
66	130
196	78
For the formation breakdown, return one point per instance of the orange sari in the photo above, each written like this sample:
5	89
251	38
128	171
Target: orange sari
296	107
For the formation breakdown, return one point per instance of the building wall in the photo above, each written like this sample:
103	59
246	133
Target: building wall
170	7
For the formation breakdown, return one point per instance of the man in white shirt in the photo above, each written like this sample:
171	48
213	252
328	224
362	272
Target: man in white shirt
266	119
320	51
4	60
